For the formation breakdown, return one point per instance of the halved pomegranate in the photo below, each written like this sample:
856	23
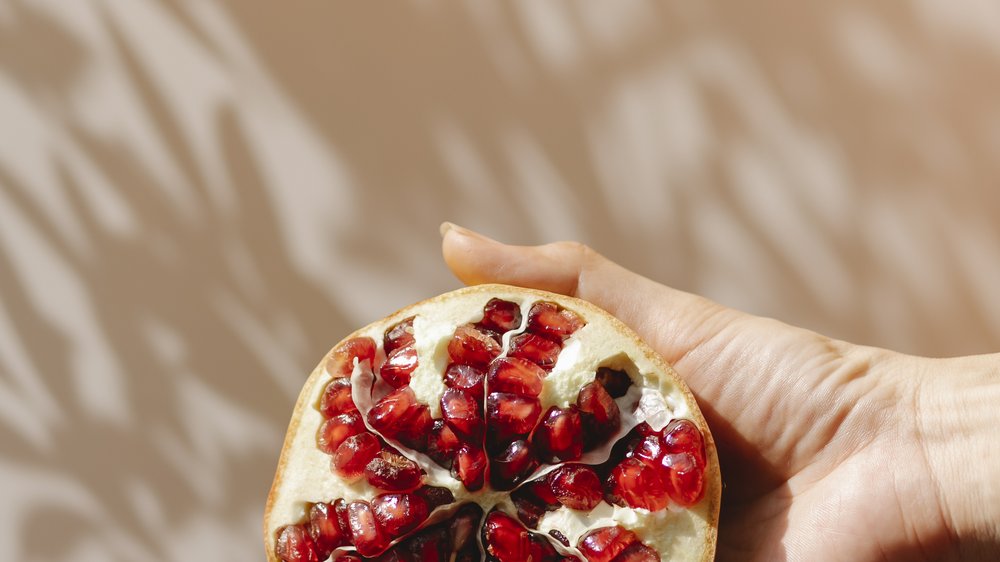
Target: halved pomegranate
494	423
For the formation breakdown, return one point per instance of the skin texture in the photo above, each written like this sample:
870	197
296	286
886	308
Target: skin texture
829	450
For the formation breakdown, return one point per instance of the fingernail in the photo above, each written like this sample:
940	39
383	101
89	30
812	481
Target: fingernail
445	227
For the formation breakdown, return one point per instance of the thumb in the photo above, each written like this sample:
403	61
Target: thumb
672	321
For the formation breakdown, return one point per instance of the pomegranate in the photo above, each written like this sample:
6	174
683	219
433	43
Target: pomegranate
494	423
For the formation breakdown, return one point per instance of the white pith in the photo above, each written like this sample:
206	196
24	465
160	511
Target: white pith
678	534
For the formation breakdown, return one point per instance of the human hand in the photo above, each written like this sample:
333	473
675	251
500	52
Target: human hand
829	451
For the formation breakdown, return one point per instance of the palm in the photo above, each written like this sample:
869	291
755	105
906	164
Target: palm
816	450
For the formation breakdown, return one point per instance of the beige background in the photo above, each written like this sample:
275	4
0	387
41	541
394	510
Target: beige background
197	198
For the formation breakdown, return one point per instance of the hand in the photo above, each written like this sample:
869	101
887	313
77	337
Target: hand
829	451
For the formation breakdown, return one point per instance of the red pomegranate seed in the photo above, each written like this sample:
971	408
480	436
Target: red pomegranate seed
599	413
429	545
442	444
463	527
540	490
512	465
649	450
604	543
399	514
324	528
334	430
637	484
516	376
463	413
576	486
470	346
538	350
354	454
686	478
505	538
541	549
637	552
366	533
645	430
683	436
399	335
337	398
340	508
559	436
295	545
398	366
394	472
501	316
529	510
340	363
470	466
614	381
436	496
465	377
399	416
509	416
551	321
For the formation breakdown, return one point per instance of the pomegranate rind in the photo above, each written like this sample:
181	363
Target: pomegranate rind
303	475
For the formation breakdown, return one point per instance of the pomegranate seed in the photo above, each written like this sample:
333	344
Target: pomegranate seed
442	443
649	450
366	533
636	484
470	466
340	508
462	413
683	436
513	465
529	510
334	430
559	436
645	430
337	398
436	496
399	514
614	381
538	350
399	416
463	527
398	366
540	490
399	335
349	558
340	363
576	486
541	549
470	346
604	543
354	454
510	416
465	377
559	537
295	545
324	528
516	376
637	552
599	413
549	320
501	316
505	538
429	545
392	471
686	478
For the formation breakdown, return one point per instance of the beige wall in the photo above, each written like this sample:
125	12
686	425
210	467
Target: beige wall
198	198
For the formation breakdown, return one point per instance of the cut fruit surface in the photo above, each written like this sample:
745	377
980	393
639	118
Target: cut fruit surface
495	423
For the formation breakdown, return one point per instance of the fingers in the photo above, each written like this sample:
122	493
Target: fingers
681	321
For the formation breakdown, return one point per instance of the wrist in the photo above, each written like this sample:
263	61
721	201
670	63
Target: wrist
957	413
